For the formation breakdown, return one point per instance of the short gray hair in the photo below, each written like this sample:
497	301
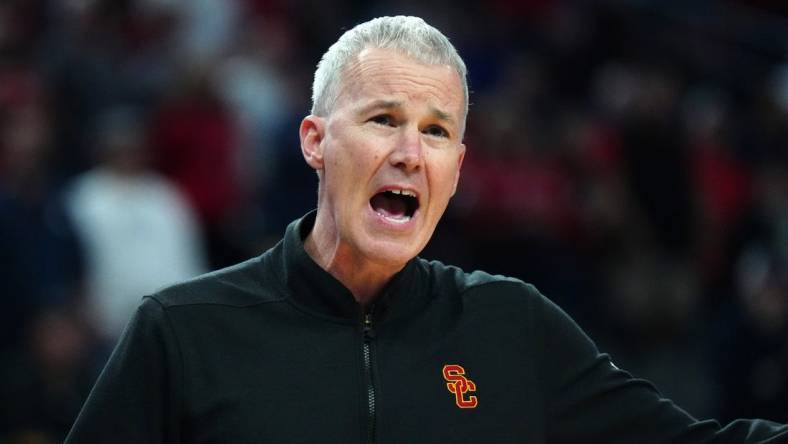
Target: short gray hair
411	36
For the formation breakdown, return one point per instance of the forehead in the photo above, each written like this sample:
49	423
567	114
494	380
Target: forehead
380	74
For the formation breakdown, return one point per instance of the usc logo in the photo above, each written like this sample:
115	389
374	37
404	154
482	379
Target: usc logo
459	385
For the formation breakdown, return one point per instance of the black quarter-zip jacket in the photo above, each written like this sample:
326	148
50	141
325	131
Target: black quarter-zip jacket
275	350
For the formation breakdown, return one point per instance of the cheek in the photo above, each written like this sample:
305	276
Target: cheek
341	157
443	174
353	163
359	159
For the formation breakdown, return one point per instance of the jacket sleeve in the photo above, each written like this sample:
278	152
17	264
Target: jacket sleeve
137	396
590	400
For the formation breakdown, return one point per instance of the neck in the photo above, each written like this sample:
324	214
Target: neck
364	278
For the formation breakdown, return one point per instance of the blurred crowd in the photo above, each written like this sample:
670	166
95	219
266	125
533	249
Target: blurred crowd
630	158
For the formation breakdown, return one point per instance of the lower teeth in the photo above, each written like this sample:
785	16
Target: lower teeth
398	219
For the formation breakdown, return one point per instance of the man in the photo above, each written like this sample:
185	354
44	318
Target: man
122	205
340	334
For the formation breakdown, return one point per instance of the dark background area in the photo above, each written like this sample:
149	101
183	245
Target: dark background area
629	158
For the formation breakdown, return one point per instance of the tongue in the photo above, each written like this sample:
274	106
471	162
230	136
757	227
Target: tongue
388	205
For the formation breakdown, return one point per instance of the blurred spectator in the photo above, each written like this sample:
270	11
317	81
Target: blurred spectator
514	177
100	54
722	184
766	132
195	143
206	28
51	379
40	255
138	232
752	347
655	327
656	162
251	81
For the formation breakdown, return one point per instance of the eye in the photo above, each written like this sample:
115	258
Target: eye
436	131
382	119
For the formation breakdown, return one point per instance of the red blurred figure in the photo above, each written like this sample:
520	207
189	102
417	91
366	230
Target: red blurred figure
195	143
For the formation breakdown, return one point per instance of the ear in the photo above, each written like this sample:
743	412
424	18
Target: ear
459	167
312	132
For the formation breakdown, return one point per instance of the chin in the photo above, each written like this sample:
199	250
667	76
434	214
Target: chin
393	254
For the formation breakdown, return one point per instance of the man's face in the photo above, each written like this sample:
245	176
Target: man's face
391	153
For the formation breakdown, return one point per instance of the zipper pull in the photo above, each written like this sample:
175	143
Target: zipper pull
369	333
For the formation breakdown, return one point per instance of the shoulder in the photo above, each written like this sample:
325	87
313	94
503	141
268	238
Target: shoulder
240	285
449	279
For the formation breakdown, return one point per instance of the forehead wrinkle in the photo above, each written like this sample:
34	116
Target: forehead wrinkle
380	104
416	89
365	73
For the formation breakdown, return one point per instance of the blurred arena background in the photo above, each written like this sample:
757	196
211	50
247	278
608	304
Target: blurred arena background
627	157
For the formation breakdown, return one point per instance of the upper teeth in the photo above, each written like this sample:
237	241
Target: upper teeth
403	192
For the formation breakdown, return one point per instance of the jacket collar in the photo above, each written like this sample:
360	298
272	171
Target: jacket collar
315	290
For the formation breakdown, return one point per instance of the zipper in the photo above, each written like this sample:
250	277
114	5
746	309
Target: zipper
366	351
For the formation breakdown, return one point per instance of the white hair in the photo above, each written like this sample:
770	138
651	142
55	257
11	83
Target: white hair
411	36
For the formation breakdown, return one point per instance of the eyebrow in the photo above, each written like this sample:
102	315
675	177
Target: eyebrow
391	104
442	115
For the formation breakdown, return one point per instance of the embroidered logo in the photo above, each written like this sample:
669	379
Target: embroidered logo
459	385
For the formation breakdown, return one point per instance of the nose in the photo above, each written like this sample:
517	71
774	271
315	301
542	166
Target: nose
408	154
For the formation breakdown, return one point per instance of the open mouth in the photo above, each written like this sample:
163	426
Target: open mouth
398	206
